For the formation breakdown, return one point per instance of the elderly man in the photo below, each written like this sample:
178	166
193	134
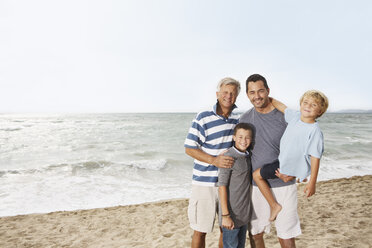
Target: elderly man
269	126
210	134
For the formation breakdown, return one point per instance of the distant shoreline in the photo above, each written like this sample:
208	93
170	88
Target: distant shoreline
347	111
352	111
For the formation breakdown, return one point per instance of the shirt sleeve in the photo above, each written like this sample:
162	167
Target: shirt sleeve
196	135
224	176
290	114
316	144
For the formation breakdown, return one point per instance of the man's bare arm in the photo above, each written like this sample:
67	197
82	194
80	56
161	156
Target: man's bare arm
220	161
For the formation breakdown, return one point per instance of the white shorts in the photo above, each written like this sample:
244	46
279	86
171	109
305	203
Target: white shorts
287	222
203	206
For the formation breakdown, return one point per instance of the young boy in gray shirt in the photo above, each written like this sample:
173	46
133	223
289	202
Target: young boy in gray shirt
234	189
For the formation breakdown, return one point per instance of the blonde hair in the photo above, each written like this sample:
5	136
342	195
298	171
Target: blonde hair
319	97
228	81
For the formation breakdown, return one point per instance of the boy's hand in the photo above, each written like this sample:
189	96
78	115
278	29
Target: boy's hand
309	189
227	222
285	178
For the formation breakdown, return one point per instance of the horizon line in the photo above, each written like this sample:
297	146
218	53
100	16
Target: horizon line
343	111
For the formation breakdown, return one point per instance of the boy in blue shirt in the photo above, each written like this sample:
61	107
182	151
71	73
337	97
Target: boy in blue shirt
301	148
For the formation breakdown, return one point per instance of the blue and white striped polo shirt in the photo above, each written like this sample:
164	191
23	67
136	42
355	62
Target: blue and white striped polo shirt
212	134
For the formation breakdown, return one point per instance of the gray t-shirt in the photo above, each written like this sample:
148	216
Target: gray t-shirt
267	132
237	180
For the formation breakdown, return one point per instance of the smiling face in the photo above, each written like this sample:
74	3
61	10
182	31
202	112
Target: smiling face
310	109
258	94
227	96
242	139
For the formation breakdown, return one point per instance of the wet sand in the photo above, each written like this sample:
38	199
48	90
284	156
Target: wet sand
338	215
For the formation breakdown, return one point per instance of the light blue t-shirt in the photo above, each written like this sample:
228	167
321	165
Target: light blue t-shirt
299	141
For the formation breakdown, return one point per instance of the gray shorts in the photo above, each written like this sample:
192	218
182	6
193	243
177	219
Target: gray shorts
203	206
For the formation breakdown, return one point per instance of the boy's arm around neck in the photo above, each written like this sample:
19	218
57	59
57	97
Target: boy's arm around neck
278	105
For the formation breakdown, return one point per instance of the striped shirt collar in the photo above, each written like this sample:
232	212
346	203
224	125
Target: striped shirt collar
215	109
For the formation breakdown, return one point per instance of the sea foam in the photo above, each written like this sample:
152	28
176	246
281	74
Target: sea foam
66	162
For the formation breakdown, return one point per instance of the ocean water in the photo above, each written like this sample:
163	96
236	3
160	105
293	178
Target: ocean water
66	162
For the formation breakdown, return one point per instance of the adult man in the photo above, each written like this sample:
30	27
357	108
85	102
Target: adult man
269	126
210	134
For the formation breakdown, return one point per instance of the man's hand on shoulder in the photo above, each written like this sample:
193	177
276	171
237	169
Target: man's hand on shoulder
222	161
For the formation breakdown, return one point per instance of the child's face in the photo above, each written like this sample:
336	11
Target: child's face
242	139
310	108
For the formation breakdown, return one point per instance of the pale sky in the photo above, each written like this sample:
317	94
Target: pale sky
168	56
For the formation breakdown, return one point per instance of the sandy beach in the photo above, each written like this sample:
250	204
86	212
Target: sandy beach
339	215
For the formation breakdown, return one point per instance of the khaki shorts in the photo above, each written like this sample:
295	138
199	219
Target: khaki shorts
203	206
287	222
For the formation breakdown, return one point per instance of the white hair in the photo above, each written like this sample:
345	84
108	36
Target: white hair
228	81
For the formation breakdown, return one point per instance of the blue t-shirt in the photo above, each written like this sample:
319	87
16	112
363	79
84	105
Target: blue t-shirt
299	141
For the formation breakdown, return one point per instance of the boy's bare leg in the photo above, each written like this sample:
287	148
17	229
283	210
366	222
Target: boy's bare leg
275	207
198	240
257	240
287	243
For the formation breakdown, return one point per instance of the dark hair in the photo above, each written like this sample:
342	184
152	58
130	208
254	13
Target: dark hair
244	126
255	78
